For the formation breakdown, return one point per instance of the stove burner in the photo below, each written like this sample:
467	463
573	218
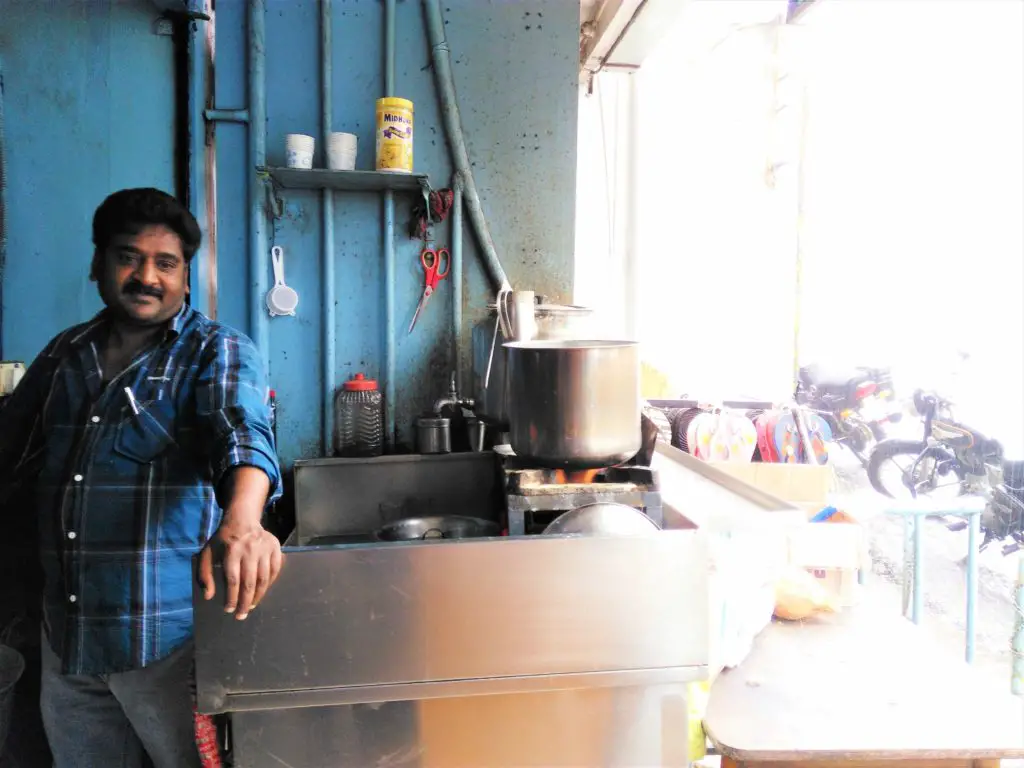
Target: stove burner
535	497
549	481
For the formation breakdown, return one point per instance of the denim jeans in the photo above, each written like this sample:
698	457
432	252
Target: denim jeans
115	721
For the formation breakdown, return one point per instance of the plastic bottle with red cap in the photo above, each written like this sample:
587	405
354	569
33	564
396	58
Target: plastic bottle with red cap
359	418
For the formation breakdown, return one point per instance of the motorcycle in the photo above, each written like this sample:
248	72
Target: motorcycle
856	403
951	459
1003	518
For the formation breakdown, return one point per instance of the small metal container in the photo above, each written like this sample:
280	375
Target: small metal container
433	435
476	431
437	527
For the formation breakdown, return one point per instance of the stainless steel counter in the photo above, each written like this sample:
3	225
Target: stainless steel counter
385	622
503	652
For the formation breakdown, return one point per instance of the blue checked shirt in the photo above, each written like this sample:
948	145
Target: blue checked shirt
126	499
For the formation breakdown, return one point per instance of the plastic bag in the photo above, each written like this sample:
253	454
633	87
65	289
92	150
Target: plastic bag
798	595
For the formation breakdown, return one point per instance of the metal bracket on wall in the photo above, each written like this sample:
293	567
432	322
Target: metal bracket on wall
226	115
180	8
163	27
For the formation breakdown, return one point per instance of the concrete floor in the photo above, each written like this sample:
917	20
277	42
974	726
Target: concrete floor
944	569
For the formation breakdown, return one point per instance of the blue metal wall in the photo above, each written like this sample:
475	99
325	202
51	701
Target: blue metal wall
516	75
88	108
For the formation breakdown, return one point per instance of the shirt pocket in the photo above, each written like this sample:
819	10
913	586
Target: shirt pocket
143	436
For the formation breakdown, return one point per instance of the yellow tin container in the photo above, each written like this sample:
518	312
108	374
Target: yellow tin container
394	135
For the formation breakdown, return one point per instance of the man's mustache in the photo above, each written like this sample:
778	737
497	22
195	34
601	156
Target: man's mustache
134	288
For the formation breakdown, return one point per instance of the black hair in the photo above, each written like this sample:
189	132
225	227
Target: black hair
132	210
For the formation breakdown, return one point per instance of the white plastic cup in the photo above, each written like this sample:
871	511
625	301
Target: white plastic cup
299	150
342	140
341	151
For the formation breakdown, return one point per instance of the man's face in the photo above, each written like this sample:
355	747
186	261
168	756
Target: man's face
143	278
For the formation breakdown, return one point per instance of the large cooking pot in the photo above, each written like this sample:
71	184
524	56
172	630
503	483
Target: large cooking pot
553	321
574	404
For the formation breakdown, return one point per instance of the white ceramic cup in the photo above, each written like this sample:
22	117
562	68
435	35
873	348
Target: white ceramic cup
341	151
299	150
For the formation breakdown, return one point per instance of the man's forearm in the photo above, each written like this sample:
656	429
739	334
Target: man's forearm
244	493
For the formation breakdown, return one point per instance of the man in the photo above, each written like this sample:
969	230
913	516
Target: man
143	437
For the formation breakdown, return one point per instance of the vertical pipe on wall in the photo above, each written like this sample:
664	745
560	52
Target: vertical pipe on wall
632	298
389	241
210	164
457	279
258	252
327	257
3	205
441	58
196	33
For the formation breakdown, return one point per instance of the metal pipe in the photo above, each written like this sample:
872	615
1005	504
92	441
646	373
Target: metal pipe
1017	641
390	365
258	251
201	206
389	47
917	612
631	254
974	531
457	278
210	163
3	202
441	58
327	240
227	115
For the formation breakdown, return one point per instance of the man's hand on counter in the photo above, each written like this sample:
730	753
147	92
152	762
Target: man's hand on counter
251	555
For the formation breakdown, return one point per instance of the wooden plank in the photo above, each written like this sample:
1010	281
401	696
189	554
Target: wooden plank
858	685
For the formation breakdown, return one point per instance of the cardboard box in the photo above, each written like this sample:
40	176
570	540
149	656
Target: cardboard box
834	553
804	485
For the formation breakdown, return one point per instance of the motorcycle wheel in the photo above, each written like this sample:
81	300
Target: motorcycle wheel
861	440
901	455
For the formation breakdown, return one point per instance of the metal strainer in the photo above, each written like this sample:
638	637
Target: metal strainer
281	299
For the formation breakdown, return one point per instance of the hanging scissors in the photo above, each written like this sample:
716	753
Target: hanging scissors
436	266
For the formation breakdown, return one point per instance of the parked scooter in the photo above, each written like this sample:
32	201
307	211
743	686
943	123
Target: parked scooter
857	403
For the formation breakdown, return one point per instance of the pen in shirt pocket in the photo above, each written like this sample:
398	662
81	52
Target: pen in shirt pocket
131	400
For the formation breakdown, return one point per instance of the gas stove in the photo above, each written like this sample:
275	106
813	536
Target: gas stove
535	497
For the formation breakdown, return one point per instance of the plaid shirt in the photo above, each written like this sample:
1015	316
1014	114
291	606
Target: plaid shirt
124	486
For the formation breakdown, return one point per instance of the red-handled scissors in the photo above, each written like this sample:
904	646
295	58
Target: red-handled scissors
436	266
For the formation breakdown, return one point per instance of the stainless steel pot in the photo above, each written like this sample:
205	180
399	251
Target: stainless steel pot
553	321
563	321
437	527
574	404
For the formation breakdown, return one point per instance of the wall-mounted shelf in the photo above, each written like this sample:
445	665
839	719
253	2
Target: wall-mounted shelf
346	181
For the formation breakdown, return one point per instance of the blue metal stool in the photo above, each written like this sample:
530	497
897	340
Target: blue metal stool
914	514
